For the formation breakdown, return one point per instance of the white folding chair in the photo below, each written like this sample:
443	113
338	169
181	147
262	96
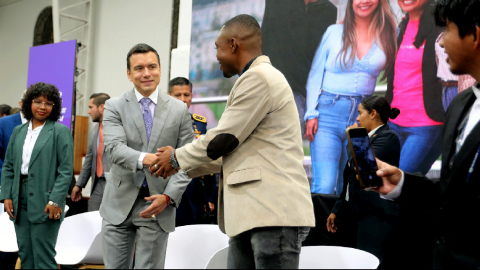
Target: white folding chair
8	238
330	257
191	247
2	208
79	240
319	257
218	260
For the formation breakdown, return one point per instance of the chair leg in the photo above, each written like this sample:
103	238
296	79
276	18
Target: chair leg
92	266
18	265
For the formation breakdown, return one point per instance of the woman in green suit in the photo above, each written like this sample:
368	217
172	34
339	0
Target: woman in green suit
36	175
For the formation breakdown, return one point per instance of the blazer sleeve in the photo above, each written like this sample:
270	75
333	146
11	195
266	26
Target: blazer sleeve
64	141
86	172
386	147
2	150
341	200
209	168
315	77
419	192
179	182
250	103
115	139
8	173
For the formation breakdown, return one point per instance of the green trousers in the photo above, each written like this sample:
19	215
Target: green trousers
36	241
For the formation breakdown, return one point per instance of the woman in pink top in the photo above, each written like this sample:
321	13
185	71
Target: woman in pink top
413	87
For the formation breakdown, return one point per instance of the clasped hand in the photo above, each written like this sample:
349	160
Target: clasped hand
163	167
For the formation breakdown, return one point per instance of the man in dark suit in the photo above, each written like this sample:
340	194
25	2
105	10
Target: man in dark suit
7	124
455	199
96	164
200	193
291	32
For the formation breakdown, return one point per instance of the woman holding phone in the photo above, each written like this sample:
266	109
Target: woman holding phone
414	88
344	72
36	175
376	218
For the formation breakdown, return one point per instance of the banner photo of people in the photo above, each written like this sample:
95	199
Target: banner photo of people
334	54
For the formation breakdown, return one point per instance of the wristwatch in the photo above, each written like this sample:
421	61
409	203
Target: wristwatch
53	204
173	161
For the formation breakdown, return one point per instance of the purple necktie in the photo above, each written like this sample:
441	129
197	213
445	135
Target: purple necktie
148	119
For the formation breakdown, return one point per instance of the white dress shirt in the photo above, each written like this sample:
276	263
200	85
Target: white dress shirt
151	107
24	120
473	120
30	140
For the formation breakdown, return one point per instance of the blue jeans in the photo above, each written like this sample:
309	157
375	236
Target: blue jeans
267	248
421	147
448	94
329	148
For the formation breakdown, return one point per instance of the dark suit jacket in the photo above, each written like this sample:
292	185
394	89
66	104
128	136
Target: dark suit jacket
432	88
89	169
454	202
386	147
291	33
7	124
49	173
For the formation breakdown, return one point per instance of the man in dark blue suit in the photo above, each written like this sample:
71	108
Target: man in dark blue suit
7	124
200	193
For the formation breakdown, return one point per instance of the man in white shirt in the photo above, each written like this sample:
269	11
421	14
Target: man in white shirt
455	199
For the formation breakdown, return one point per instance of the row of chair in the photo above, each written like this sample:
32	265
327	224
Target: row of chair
80	243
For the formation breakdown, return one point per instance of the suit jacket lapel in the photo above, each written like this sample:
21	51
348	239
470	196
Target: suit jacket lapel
42	139
451	131
381	129
95	148
161	115
137	116
470	145
19	142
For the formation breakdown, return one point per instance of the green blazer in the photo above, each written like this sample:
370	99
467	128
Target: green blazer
49	173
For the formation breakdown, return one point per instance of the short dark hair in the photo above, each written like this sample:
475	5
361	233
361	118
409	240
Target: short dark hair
179	81
5	109
42	89
246	21
99	98
141	48
381	105
464	13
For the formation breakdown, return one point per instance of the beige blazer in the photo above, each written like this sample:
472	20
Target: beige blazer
257	148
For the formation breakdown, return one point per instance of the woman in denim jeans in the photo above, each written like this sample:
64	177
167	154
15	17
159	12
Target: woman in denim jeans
414	88
344	72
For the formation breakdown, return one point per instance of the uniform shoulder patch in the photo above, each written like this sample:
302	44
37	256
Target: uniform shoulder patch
199	118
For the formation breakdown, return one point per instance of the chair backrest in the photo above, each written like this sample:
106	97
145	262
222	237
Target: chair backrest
191	247
319	257
79	240
2	208
8	238
218	260
330	257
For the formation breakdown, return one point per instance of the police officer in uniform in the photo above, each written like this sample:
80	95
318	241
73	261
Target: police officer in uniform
198	200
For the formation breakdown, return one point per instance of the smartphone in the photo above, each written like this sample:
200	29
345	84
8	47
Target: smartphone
364	158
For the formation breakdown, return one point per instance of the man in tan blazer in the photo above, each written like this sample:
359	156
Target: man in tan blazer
264	197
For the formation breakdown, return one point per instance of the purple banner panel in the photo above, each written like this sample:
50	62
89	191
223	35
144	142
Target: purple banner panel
55	64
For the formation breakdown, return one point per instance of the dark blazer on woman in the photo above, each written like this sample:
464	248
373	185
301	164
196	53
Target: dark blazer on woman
432	88
386	147
49	173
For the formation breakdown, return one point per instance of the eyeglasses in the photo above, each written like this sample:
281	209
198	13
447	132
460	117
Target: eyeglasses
38	104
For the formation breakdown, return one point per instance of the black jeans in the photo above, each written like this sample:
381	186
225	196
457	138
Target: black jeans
267	248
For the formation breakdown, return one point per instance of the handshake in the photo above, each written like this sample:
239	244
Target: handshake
160	163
